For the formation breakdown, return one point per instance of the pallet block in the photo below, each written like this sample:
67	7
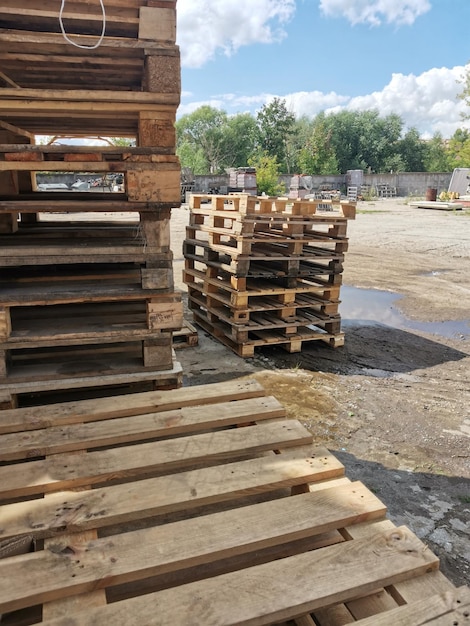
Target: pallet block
195	492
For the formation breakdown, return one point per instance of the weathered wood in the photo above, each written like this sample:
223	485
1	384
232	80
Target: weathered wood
157	353
157	129
157	24
154	185
184	544
103	112
166	165
90	435
161	314
331	574
108	506
61	414
71	376
447	609
5	323
162	456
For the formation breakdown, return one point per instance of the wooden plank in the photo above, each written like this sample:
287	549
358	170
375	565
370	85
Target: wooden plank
65	606
451	608
5	323
141	171
61	439
67	471
117	504
408	591
258	595
37	381
61	414
86	99
161	315
77	567
157	24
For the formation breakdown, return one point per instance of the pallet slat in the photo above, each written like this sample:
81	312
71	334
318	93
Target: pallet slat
321	577
72	568
136	501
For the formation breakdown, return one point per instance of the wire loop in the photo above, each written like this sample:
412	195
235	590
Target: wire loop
78	45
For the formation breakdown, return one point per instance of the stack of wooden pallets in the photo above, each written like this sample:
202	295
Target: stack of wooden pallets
266	271
87	298
202	505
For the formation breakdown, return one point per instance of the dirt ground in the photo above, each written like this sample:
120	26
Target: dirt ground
393	404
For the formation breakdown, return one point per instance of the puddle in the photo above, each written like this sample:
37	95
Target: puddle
372	305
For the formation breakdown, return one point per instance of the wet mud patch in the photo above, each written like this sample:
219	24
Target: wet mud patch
306	397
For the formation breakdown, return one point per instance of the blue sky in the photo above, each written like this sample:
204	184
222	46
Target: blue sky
398	56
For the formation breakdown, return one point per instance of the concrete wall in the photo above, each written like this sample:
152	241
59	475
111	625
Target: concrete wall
406	183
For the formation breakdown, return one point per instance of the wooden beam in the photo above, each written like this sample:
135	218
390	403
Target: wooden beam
17	131
9	81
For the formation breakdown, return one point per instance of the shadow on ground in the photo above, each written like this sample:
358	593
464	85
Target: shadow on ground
436	508
374	347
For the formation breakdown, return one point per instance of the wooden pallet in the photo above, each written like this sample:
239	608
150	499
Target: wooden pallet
62	243
439	206
59	111
264	249
89	375
246	204
279	305
207	507
87	322
35	54
75	283
242	292
239	330
186	337
245	344
264	267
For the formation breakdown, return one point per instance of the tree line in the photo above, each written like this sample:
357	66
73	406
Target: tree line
209	141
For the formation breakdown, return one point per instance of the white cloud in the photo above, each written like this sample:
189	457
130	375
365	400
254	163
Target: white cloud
428	102
375	12
309	103
208	26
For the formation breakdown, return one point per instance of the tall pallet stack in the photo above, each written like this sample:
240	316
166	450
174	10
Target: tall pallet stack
87	299
266	271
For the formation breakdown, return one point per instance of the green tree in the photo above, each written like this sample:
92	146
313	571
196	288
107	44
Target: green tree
209	141
241	139
296	142
410	154
192	157
436	155
267	174
459	148
465	93
204	130
363	140
318	155
275	125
